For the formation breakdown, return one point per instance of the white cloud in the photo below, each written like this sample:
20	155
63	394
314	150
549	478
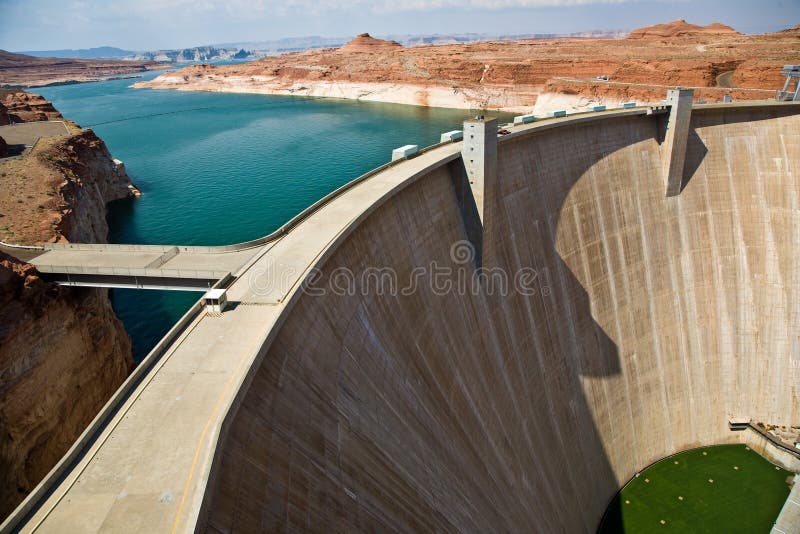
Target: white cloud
150	24
191	8
409	5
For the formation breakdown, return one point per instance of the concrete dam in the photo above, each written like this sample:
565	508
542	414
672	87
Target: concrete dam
658	304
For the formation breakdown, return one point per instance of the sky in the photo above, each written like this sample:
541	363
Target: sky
168	24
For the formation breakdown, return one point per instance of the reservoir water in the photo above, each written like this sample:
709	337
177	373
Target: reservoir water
222	168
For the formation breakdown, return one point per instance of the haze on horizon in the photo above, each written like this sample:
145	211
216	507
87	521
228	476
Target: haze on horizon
169	24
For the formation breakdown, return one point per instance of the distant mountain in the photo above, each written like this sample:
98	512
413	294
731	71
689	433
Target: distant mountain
460	38
101	52
255	49
22	70
12	60
196	55
288	44
294	44
184	55
678	29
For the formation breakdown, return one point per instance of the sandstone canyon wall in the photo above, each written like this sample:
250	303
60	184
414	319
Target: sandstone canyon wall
537	75
21	70
63	352
18	106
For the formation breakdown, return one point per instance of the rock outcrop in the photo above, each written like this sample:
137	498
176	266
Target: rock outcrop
515	75
19	106
58	192
364	42
20	70
682	29
63	352
94	178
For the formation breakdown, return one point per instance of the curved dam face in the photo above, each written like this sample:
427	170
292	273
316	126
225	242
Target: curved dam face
645	323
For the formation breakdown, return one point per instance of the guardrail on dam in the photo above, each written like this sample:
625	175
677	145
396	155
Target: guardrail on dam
646	322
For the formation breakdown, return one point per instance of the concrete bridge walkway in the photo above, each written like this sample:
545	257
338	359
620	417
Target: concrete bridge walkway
140	266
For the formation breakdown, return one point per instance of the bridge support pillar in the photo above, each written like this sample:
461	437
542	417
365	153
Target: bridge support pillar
673	151
479	153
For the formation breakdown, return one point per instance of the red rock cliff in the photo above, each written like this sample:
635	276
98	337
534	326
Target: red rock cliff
18	106
682	29
63	352
531	75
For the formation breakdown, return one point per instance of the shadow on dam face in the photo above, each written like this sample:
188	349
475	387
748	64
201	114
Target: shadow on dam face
645	322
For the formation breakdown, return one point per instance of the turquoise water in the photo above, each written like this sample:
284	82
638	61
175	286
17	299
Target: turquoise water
223	168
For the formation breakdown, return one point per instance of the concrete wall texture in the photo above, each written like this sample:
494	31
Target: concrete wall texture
654	319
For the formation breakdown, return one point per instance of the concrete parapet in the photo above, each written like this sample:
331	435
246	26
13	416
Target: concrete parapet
107	246
404	152
673	150
524	119
449	137
123	271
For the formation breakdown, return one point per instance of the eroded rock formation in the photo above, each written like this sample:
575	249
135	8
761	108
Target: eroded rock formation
20	70
63	352
93	179
19	106
527	75
680	28
364	42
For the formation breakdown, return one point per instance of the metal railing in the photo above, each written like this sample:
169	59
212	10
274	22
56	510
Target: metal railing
195	274
24	247
786	96
774	440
